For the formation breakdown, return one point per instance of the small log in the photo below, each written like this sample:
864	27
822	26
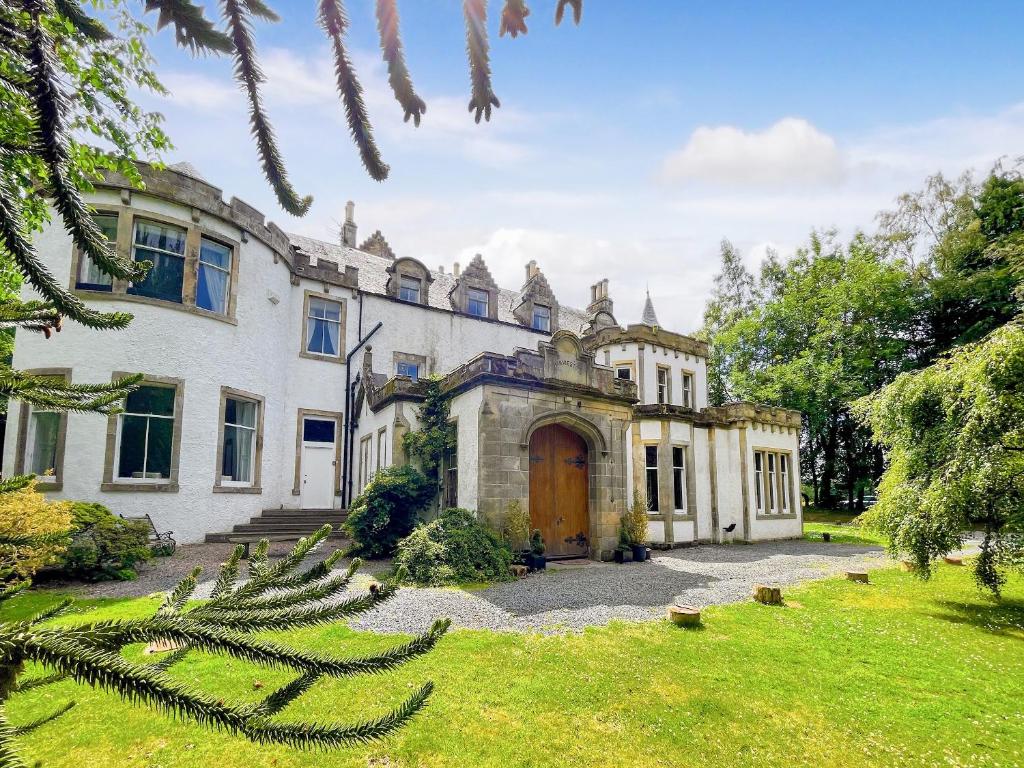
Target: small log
953	560
684	615
519	571
861	576
767	595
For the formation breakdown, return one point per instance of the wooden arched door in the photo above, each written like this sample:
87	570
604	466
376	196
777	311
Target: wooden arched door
559	482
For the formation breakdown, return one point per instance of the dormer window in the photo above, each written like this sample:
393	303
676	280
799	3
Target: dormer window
477	302
409	289
541	318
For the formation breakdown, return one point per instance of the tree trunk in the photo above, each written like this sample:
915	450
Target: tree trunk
828	468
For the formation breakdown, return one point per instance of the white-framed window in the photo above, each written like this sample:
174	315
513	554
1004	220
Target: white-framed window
382	448
90	277
145	434
664	386
651	475
164	245
41	444
238	457
771	480
541	318
213	284
365	459
624	372
679	478
477	302
323	327
783	483
409	289
687	401
759	481
405	368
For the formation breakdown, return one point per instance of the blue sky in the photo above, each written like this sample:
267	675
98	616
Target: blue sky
628	147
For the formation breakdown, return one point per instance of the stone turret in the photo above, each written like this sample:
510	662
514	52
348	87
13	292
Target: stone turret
649	318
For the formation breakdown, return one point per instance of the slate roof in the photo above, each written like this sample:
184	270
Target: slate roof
373	278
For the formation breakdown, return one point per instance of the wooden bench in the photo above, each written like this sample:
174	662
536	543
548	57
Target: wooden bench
157	540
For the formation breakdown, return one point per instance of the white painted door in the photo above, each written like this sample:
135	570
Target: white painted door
318	463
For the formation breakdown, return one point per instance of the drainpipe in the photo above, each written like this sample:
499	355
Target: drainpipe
346	448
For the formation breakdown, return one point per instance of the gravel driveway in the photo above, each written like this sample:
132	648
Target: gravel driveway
570	597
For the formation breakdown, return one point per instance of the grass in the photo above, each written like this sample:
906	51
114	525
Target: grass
897	672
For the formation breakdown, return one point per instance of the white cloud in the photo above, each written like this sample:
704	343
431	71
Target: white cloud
789	152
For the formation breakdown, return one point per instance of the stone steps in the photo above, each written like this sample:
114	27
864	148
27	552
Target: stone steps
284	524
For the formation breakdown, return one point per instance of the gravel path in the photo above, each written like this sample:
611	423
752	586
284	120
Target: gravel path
567	597
571	597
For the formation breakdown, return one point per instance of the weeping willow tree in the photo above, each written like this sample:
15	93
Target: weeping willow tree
277	596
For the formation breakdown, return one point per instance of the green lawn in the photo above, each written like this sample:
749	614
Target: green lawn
898	672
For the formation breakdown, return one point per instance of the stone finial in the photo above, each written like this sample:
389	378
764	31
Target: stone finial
348	229
649	318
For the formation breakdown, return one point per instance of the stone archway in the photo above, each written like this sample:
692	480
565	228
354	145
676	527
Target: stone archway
560	490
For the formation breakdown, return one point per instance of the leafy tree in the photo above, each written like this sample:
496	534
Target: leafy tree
387	510
954	439
732	297
277	596
436	434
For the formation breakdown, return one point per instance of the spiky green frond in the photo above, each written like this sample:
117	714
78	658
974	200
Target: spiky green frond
258	560
314	592
85	25
286	694
191	27
334	22
305	735
170	658
225	583
21	730
317	572
262	10
394	56
10	590
9	757
513	18
54	149
39	681
56	394
38	316
53	612
176	598
250	76
482	97
577	10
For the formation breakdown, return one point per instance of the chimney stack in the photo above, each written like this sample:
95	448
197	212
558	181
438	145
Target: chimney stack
456	269
593	293
599	301
348	229
531	270
440	269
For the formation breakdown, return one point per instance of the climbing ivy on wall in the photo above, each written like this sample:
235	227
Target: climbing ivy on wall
436	435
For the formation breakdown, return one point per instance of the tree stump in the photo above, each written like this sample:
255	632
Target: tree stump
861	576
767	595
953	560
519	571
684	615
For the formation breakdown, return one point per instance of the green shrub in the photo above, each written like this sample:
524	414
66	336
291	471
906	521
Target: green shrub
456	548
103	545
385	512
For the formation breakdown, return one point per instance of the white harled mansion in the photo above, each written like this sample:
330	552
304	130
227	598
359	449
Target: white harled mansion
281	373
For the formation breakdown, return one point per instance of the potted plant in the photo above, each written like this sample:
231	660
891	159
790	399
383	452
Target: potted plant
516	532
536	560
624	549
634	522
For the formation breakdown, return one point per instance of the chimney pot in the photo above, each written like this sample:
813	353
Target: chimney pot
348	229
604	287
350	211
440	269
456	269
593	293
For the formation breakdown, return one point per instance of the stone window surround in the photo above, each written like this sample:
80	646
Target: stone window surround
256	485
171	484
668	384
683	373
24	411
631	364
194	233
307	295
365	460
409	267
407	357
338	419
460	294
793	497
382	448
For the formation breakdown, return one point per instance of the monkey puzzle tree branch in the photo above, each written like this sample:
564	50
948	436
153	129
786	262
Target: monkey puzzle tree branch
191	27
398	73
482	97
513	18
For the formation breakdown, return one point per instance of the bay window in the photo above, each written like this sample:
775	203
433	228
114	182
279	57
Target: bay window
213	283
90	277
651	475
164	245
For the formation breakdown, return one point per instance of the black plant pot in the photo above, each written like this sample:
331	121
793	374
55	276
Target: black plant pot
536	562
623	556
826	537
639	553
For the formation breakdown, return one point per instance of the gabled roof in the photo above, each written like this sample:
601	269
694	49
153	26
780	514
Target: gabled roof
373	278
